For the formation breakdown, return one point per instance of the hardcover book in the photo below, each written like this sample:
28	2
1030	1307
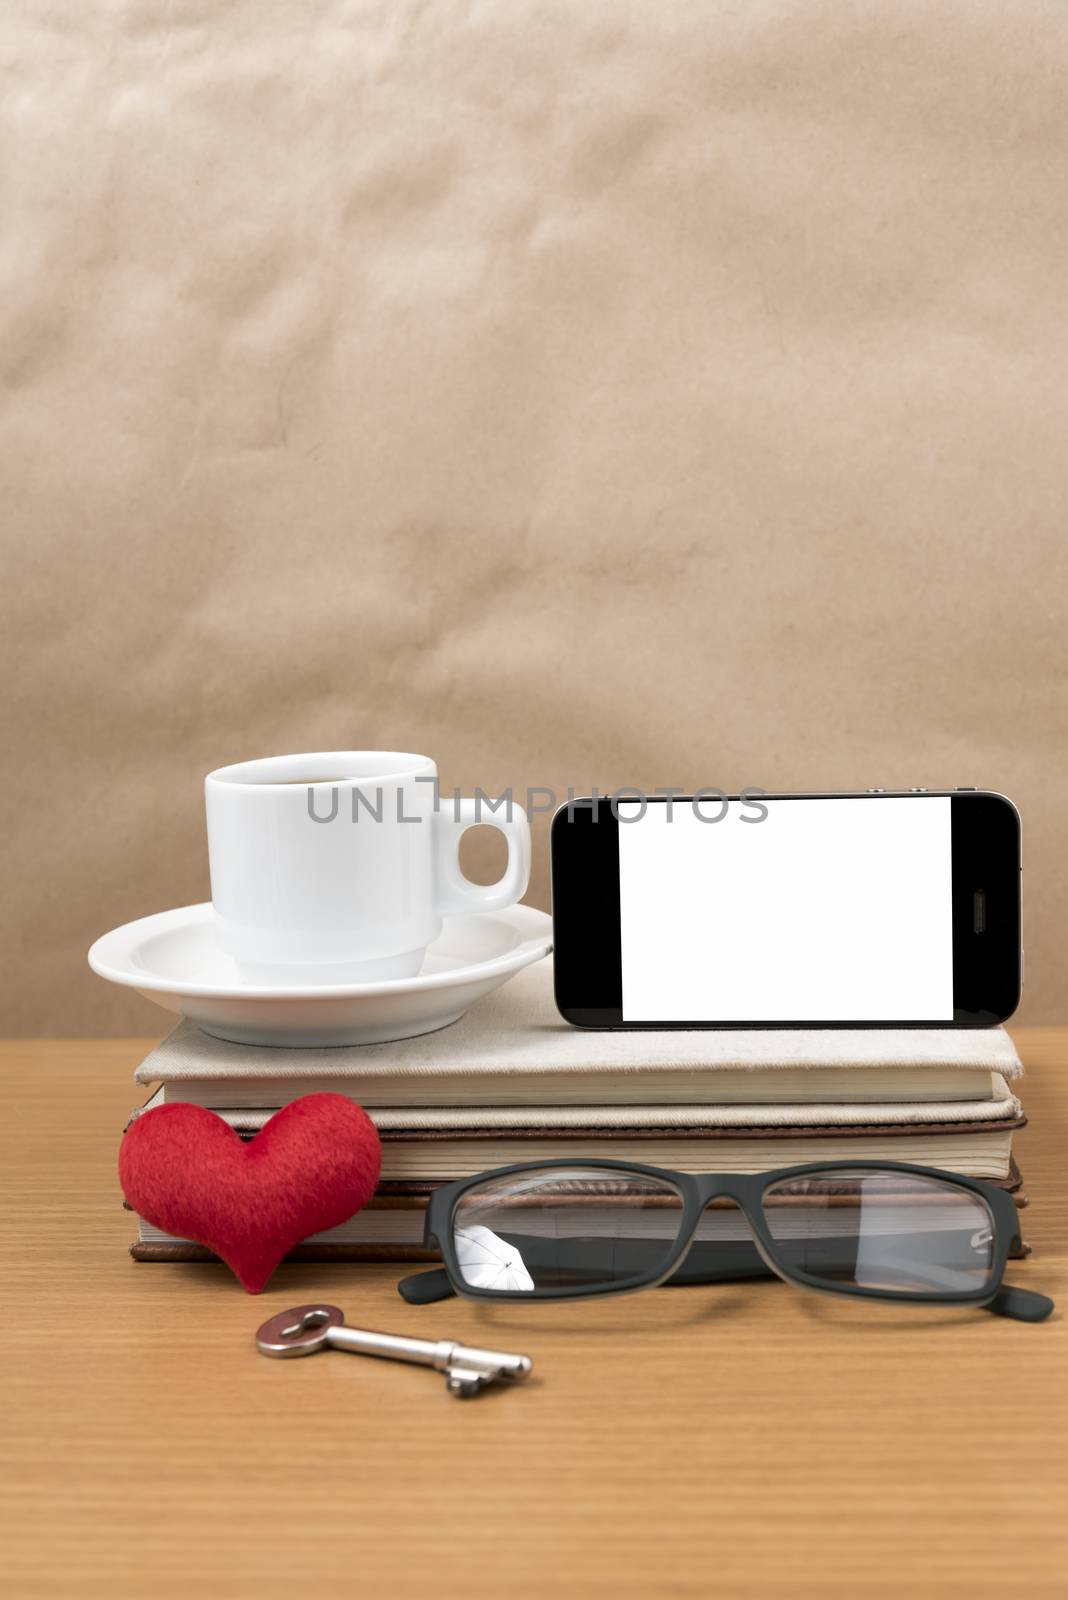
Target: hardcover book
513	1048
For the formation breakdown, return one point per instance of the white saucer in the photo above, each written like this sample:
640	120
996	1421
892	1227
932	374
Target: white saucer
174	959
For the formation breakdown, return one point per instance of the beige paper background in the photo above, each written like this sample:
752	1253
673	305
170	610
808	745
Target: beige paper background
598	394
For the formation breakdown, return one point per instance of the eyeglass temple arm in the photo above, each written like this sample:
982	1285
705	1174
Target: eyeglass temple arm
426	1287
706	1263
1023	1305
730	1262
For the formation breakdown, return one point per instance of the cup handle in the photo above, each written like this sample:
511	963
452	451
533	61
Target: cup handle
455	893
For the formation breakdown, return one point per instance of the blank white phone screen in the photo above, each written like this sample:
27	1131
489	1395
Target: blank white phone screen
835	910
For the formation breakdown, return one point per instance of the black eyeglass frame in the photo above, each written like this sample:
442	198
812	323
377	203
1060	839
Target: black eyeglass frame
747	1190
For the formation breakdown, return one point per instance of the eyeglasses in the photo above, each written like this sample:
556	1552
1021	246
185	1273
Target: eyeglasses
560	1230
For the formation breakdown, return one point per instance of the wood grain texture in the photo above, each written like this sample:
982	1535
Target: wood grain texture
741	1441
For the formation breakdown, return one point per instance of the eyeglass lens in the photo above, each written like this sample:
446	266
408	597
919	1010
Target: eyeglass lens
889	1231
565	1228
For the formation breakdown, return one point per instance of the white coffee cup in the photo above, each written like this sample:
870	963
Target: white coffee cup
337	867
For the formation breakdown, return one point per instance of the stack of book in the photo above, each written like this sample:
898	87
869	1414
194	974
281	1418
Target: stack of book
511	1082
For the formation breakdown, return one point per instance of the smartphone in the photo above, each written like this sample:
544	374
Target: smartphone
864	910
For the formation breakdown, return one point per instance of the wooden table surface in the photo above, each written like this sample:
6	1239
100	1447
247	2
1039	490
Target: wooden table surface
733	1441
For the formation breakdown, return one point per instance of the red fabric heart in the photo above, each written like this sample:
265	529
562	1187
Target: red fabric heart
311	1167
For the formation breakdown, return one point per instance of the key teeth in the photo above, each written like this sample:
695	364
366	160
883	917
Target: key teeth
464	1382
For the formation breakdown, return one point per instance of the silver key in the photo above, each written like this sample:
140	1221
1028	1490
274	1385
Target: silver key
307	1329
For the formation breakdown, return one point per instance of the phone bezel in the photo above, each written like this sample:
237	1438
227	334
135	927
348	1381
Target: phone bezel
587	960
